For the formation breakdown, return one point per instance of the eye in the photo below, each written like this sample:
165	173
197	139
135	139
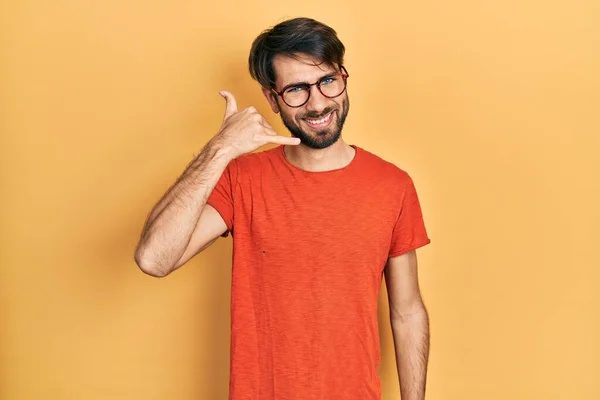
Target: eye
328	80
295	89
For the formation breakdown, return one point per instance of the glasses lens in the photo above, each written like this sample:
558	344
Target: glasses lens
296	96
333	86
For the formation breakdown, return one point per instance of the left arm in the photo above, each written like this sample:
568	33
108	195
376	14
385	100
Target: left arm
410	324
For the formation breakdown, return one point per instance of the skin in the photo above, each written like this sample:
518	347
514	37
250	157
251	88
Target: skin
410	324
304	69
294	118
182	225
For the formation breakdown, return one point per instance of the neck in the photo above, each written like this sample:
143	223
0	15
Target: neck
333	157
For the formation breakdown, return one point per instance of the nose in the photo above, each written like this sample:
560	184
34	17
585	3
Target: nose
317	102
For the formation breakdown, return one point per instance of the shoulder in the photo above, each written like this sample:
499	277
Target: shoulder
254	163
256	159
385	170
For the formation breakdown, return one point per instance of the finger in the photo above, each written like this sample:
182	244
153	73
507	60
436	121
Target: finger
268	128
231	104
279	139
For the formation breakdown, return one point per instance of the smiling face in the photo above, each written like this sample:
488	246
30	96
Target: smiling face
319	122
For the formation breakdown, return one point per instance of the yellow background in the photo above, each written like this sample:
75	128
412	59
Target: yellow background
493	107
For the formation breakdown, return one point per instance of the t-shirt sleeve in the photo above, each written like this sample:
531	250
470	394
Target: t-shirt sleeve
221	198
409	232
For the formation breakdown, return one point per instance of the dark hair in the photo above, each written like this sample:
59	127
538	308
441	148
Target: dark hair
298	35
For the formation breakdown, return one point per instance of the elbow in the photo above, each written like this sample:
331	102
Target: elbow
416	313
150	267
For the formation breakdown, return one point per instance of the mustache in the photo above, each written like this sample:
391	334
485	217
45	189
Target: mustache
314	115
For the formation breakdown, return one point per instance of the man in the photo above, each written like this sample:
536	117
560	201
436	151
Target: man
316	224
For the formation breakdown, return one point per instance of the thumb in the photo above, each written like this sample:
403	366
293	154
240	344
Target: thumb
231	107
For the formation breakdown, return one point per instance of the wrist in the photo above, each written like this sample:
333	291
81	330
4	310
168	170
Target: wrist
220	151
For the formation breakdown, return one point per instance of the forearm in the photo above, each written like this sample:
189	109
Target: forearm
411	340
173	219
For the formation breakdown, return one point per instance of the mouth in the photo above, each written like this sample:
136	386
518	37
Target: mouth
320	123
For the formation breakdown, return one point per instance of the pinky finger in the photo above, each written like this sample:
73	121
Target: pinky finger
280	139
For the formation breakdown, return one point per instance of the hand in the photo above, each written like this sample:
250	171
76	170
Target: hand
245	131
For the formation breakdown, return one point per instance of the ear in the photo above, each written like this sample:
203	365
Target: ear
272	99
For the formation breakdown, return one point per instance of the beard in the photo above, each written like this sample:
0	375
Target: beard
318	139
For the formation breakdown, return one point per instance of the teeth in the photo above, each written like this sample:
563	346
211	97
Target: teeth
318	121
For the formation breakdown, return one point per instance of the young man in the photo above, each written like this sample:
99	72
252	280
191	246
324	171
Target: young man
316	224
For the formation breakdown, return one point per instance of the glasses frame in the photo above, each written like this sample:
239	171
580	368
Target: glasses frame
343	72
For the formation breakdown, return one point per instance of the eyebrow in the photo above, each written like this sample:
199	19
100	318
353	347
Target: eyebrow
329	75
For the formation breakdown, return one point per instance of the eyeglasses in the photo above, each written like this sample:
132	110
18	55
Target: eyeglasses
330	86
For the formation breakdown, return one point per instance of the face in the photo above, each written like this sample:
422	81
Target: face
319	122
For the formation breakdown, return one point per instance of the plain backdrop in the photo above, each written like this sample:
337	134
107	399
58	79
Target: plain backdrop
493	107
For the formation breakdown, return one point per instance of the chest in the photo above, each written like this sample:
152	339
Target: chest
347	221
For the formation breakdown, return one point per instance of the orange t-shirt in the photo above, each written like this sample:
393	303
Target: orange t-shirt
309	249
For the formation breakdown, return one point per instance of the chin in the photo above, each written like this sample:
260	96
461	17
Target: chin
320	140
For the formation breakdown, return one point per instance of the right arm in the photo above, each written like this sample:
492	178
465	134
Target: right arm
171	224
181	224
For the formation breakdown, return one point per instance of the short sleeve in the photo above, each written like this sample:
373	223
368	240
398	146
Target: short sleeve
221	198
409	232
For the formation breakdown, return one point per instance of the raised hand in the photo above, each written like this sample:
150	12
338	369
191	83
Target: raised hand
245	131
